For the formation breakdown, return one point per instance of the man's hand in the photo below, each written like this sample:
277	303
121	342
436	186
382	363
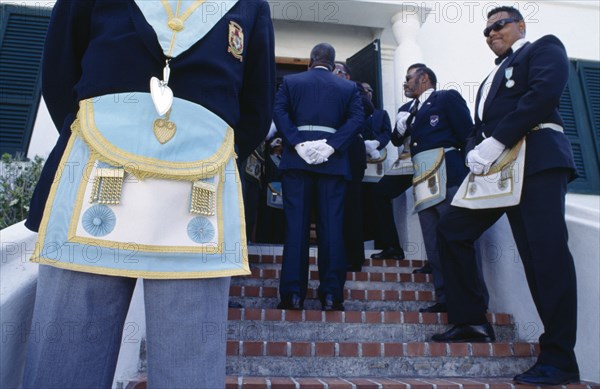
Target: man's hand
371	145
305	151
401	118
374	154
490	149
320	151
476	164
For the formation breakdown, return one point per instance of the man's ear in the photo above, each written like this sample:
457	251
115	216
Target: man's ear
522	28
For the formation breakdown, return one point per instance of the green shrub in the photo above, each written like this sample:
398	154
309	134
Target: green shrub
17	181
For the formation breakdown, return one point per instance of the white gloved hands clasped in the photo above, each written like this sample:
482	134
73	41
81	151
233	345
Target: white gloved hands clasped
314	152
321	151
374	154
303	149
371	145
480	159
401	118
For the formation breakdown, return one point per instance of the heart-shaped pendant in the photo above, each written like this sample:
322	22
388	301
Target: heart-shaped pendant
162	96
164	130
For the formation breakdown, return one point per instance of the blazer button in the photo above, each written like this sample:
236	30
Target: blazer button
415	144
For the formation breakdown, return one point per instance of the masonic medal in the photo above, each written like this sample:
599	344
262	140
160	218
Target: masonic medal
508	73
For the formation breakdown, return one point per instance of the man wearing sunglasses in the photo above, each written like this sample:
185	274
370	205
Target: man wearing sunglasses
519	99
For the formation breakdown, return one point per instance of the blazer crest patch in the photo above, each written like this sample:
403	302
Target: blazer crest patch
434	120
236	40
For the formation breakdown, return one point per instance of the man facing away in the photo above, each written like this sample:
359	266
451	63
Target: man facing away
519	99
318	115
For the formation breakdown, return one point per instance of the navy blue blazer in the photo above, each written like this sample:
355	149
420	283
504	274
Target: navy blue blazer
378	127
99	47
540	71
318	97
443	120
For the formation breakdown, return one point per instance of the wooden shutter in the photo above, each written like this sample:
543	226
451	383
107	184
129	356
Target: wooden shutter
589	76
576	109
22	35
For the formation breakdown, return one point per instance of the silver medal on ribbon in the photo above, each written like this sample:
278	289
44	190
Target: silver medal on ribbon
508	73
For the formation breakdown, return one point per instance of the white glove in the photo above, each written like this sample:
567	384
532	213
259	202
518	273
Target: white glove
490	149
374	154
401	121
371	145
320	151
476	164
275	143
305	151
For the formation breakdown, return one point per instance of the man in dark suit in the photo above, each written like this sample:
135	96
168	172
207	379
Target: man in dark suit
354	246
318	115
434	120
520	99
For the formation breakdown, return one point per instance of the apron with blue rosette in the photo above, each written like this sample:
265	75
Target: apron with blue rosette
500	187
429	179
141	196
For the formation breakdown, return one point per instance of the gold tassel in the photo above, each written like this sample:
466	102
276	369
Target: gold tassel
108	184
204	198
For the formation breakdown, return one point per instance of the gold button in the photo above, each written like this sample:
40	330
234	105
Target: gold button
175	24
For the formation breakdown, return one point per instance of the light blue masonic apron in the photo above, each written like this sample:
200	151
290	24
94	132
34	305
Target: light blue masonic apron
125	204
142	194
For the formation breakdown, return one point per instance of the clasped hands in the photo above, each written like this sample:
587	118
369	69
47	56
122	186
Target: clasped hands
481	158
371	149
314	152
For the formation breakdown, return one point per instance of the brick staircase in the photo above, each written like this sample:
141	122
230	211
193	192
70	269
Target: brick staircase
380	341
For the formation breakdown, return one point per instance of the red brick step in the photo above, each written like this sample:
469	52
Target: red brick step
245	382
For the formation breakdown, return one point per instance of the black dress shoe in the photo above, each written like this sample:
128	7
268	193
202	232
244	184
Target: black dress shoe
329	303
482	333
294	302
438	307
389	253
541	374
423	270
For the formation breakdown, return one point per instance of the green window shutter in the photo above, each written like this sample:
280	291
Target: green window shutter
22	35
365	66
574	111
589	75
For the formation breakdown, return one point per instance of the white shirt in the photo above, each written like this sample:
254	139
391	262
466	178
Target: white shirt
424	96
488	81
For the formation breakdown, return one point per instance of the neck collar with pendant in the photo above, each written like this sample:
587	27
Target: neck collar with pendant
179	24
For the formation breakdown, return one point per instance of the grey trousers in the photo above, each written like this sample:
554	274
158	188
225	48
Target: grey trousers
78	321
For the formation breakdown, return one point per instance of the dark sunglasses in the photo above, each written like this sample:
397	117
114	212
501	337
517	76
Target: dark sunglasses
498	25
